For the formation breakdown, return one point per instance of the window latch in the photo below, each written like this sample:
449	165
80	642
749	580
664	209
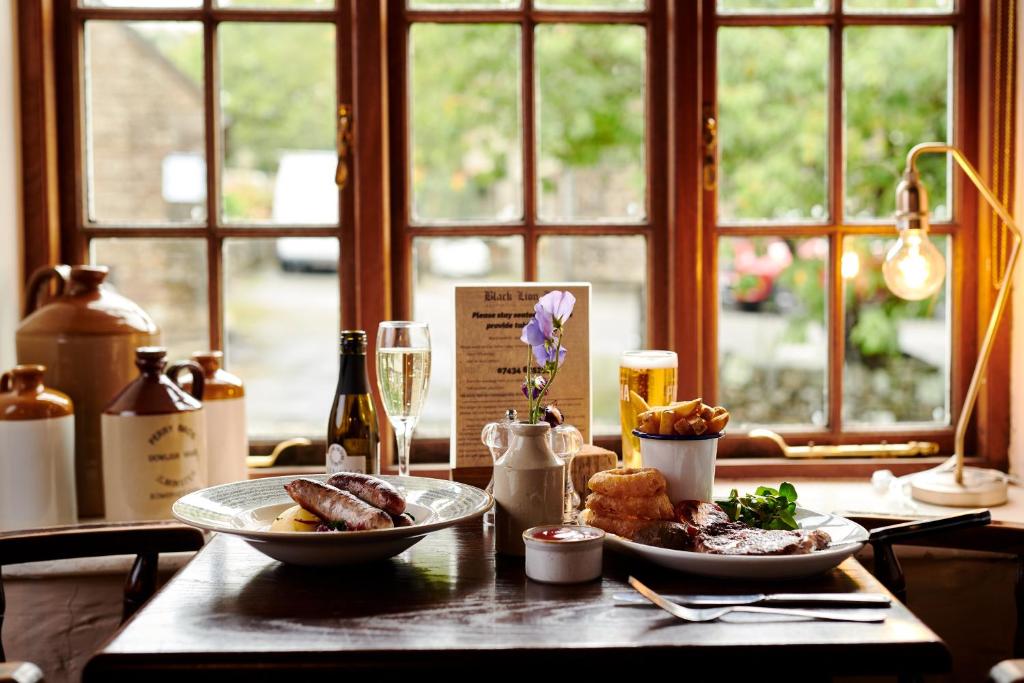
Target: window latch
710	150
344	143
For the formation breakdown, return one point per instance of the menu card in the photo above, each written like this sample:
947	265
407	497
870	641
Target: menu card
490	362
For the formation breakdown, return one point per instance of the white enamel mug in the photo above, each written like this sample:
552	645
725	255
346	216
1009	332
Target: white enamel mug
686	462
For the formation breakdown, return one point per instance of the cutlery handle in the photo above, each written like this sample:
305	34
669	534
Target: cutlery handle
839	599
918	528
873	617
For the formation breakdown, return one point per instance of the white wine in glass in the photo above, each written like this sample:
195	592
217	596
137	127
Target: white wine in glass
403	374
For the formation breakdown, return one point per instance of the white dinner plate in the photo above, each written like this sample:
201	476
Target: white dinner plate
246	509
847	538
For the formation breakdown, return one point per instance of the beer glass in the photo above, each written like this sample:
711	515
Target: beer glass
652	375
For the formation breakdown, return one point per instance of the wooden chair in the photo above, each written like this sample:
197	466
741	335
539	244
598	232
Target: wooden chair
145	540
996	537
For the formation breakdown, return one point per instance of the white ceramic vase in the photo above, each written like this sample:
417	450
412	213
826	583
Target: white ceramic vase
529	487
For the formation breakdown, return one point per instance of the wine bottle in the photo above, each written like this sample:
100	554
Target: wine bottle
352	434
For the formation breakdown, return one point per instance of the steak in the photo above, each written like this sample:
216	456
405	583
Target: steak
713	532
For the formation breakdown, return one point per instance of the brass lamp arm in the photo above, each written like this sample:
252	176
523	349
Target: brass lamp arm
998	307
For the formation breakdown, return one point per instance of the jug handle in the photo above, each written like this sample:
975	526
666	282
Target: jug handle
6	380
570	438
198	379
41	279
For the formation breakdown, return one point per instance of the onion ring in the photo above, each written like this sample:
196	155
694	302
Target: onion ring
628	482
619	526
657	506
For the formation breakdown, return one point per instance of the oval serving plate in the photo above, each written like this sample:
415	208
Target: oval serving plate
847	538
246	509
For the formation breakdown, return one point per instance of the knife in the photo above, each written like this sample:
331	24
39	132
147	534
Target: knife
830	599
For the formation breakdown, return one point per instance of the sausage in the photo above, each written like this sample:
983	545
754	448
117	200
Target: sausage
374	491
334	505
402	520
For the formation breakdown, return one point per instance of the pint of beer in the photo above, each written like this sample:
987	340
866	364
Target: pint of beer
652	375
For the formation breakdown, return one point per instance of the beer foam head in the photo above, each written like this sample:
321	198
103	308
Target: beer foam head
649	360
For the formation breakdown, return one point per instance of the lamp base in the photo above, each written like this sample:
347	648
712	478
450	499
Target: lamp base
981	488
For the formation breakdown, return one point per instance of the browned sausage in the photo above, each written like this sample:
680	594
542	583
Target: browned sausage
374	491
334	505
402	520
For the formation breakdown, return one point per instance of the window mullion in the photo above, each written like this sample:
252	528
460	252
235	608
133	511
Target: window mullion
529	142
836	181
210	118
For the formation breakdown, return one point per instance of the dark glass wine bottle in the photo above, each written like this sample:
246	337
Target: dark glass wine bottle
352	434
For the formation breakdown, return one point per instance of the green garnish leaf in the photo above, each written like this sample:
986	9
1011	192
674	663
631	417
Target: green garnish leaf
766	508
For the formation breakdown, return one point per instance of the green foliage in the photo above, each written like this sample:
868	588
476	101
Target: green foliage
897	91
772	122
277	84
766	508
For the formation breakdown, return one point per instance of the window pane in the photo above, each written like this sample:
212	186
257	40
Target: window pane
464	115
278	4
140	3
277	104
590	118
897	351
772	123
144	122
167	278
438	263
772	330
780	6
281	327
616	267
898	5
463	4
603	5
897	95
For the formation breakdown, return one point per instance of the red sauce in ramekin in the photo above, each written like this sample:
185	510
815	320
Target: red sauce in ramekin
566	534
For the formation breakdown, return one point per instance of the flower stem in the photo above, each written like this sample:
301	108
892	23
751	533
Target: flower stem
551	379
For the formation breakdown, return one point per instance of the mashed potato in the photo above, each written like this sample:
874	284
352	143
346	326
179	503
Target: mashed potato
295	518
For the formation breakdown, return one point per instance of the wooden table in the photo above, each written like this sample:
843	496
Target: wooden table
449	605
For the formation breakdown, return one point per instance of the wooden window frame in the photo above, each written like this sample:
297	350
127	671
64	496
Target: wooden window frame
963	20
654	227
374	273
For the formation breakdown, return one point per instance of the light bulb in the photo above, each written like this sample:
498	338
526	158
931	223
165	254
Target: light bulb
914	268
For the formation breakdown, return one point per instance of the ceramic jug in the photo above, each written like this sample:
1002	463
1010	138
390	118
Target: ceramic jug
227	441
529	486
37	452
154	440
86	337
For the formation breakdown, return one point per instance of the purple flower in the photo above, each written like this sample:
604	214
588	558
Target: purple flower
538	383
545	354
553	310
553	416
532	333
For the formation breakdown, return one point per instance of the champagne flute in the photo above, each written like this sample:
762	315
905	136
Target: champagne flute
403	373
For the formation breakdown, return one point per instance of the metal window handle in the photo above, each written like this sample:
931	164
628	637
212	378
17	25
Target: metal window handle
344	142
710	140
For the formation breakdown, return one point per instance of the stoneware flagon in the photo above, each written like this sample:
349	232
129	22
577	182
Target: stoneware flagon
37	452
154	440
529	487
227	442
86	337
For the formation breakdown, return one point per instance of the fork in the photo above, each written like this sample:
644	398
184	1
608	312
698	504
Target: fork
713	613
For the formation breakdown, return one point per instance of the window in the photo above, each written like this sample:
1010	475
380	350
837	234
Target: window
207	185
817	106
721	171
527	149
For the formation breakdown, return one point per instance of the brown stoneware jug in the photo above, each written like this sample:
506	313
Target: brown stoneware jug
37	452
227	442
154	440
86	337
